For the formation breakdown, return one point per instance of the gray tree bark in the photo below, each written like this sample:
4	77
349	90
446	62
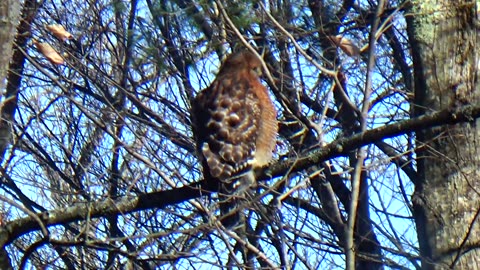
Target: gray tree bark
446	201
9	15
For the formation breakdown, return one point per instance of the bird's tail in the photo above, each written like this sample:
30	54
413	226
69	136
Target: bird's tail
231	195
229	212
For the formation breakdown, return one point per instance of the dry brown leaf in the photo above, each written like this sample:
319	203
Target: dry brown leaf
59	32
49	52
347	46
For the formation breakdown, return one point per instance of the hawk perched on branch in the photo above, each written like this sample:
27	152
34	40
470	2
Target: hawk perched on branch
235	126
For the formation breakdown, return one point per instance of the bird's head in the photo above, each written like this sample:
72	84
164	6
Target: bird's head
242	61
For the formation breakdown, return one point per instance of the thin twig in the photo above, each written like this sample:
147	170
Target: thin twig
297	46
244	41
249	246
357	174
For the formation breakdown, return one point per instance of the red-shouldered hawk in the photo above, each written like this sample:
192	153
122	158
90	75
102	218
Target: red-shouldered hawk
235	126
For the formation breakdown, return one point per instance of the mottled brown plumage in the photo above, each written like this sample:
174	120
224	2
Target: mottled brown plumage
235	127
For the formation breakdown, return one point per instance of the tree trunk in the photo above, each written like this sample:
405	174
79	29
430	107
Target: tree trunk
9	14
446	201
9	17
